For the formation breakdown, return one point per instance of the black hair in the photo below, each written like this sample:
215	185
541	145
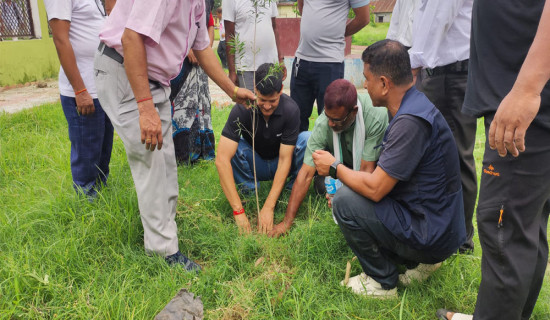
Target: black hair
269	79
389	58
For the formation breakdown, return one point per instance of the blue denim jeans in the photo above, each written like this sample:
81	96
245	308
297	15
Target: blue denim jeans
265	169
91	144
308	83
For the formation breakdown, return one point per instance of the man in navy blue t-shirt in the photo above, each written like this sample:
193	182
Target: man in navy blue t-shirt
409	210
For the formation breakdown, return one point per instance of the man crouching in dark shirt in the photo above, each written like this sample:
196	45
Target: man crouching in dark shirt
279	147
409	210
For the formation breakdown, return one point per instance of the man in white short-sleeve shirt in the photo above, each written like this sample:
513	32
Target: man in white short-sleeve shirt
258	33
75	27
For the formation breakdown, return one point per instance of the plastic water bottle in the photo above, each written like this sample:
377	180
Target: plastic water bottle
332	185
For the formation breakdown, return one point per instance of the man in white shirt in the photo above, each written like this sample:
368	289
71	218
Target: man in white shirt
401	23
75	27
258	35
441	49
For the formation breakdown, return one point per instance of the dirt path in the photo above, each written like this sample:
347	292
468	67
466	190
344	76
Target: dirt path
18	97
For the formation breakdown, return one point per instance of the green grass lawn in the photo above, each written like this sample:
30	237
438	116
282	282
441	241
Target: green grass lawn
62	257
370	34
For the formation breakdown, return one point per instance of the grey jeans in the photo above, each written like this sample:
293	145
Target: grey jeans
154	172
376	248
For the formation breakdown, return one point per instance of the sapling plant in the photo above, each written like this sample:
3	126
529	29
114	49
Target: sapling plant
237	48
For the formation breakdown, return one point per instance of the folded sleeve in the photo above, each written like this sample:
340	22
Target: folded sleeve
59	9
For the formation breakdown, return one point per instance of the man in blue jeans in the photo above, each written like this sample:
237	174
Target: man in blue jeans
279	147
75	29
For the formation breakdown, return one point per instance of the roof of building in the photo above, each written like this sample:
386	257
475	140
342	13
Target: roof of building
382	6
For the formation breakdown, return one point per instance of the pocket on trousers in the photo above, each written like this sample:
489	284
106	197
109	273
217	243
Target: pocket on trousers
125	94
492	229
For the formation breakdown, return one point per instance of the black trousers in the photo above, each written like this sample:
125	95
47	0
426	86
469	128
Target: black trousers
515	252
308	83
446	91
222	53
376	248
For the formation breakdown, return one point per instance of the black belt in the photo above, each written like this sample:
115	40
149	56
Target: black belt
110	52
457	67
113	54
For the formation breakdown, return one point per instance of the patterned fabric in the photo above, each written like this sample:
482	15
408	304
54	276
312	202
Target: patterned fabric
191	119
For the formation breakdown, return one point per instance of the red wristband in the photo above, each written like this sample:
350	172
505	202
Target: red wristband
80	91
238	212
144	99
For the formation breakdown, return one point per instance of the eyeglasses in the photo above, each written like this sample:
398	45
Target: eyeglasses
338	121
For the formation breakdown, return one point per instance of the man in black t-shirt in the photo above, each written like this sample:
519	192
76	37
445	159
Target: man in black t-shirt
279	147
508	85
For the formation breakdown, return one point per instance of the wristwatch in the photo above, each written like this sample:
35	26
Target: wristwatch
333	169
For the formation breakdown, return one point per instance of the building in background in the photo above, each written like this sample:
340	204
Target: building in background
382	10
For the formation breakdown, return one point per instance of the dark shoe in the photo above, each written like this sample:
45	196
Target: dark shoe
466	248
179	259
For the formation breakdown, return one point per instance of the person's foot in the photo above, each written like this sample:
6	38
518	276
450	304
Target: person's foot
420	273
444	314
467	248
179	259
367	286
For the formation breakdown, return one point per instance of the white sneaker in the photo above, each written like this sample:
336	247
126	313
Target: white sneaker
367	286
420	273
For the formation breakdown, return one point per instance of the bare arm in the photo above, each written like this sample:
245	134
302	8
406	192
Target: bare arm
265	221
374	186
299	191
300	6
213	69
135	64
229	41
520	106
361	19
60	31
211	35
368	166
226	151
109	5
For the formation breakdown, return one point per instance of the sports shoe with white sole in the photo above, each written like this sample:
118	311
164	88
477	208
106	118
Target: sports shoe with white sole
420	273
367	286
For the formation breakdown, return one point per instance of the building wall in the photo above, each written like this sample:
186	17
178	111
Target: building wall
286	10
29	60
383	17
